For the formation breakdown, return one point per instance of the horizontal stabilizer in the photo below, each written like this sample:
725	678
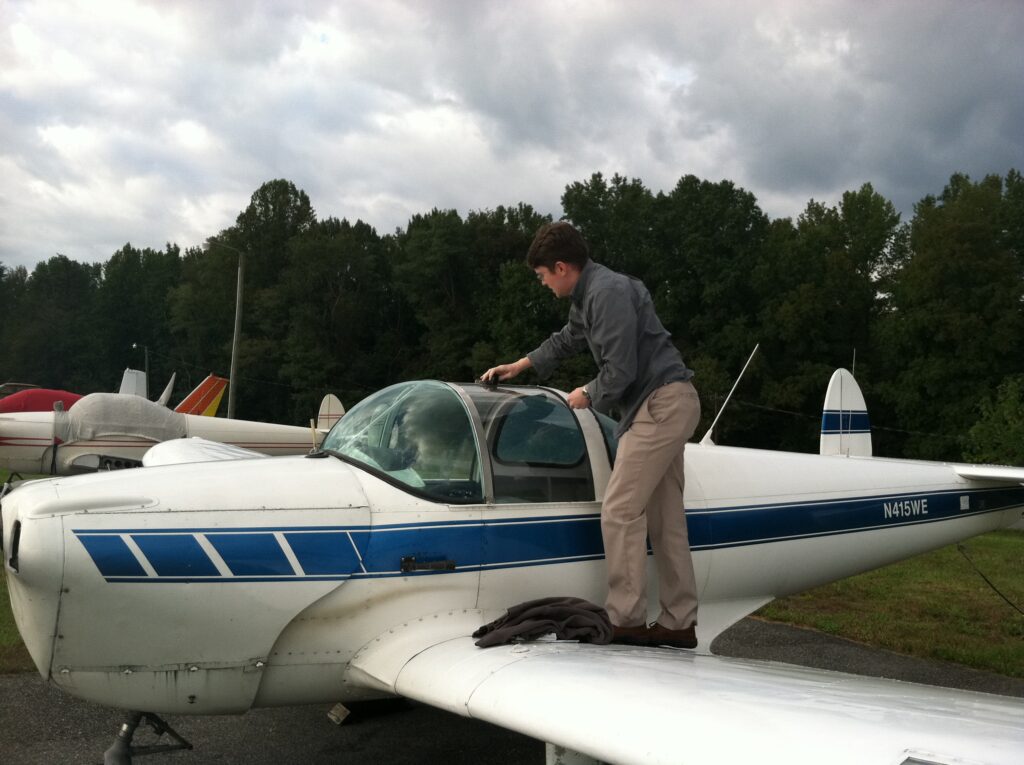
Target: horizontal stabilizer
845	428
1001	473
188	450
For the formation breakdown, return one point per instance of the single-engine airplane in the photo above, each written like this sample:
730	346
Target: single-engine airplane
109	431
362	568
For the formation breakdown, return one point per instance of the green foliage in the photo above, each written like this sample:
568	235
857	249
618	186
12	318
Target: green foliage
998	436
135	288
953	325
49	336
818	291
930	309
346	325
616	219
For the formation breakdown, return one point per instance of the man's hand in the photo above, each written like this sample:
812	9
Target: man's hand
506	371
578	399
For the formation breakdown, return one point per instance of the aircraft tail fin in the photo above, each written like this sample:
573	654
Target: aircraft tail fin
206	398
166	395
331	410
133	382
845	428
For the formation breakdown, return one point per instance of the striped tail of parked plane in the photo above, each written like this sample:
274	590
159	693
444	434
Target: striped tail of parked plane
205	399
362	569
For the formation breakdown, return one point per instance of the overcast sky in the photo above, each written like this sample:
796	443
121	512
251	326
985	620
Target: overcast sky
154	122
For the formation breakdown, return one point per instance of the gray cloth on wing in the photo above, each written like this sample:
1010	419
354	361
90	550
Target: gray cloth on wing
117	414
568	618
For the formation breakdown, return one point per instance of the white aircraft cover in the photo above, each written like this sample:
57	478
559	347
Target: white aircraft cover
623	704
188	450
113	414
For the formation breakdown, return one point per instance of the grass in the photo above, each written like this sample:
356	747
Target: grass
13	654
933	606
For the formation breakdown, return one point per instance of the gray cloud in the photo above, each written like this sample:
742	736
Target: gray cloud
155	122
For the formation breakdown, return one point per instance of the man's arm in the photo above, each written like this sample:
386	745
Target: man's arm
568	341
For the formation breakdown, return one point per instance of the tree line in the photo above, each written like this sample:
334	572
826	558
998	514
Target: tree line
929	312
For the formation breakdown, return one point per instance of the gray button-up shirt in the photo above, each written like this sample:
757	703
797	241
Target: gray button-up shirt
614	316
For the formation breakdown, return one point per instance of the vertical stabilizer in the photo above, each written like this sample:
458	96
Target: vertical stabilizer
331	410
166	395
845	428
133	383
205	399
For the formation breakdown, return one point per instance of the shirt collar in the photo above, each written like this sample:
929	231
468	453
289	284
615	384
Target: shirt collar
581	284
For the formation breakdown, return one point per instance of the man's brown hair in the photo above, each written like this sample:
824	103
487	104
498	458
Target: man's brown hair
555	242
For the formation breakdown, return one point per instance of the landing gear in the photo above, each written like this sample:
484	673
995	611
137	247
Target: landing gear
122	751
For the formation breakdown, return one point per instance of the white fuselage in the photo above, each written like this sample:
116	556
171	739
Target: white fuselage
218	587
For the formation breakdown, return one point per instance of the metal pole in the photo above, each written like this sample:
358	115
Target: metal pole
233	374
232	382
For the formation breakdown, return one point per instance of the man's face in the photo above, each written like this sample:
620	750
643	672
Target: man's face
560	279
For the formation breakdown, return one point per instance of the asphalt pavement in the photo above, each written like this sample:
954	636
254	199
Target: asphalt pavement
42	726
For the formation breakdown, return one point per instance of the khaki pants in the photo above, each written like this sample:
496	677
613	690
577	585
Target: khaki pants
645	496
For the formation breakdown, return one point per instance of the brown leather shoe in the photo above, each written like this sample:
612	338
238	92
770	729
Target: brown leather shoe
684	638
630	635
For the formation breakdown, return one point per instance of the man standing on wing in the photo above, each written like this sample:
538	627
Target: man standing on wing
643	375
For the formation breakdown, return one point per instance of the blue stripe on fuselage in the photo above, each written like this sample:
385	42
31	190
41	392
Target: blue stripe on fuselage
327	553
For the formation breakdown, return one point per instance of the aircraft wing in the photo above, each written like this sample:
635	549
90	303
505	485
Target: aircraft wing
623	704
1002	473
179	451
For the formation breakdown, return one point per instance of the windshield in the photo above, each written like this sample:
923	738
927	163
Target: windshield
418	434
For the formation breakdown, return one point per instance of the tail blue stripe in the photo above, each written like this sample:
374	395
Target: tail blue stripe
844	421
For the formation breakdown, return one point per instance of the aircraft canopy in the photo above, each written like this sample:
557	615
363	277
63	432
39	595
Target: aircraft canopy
466	444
